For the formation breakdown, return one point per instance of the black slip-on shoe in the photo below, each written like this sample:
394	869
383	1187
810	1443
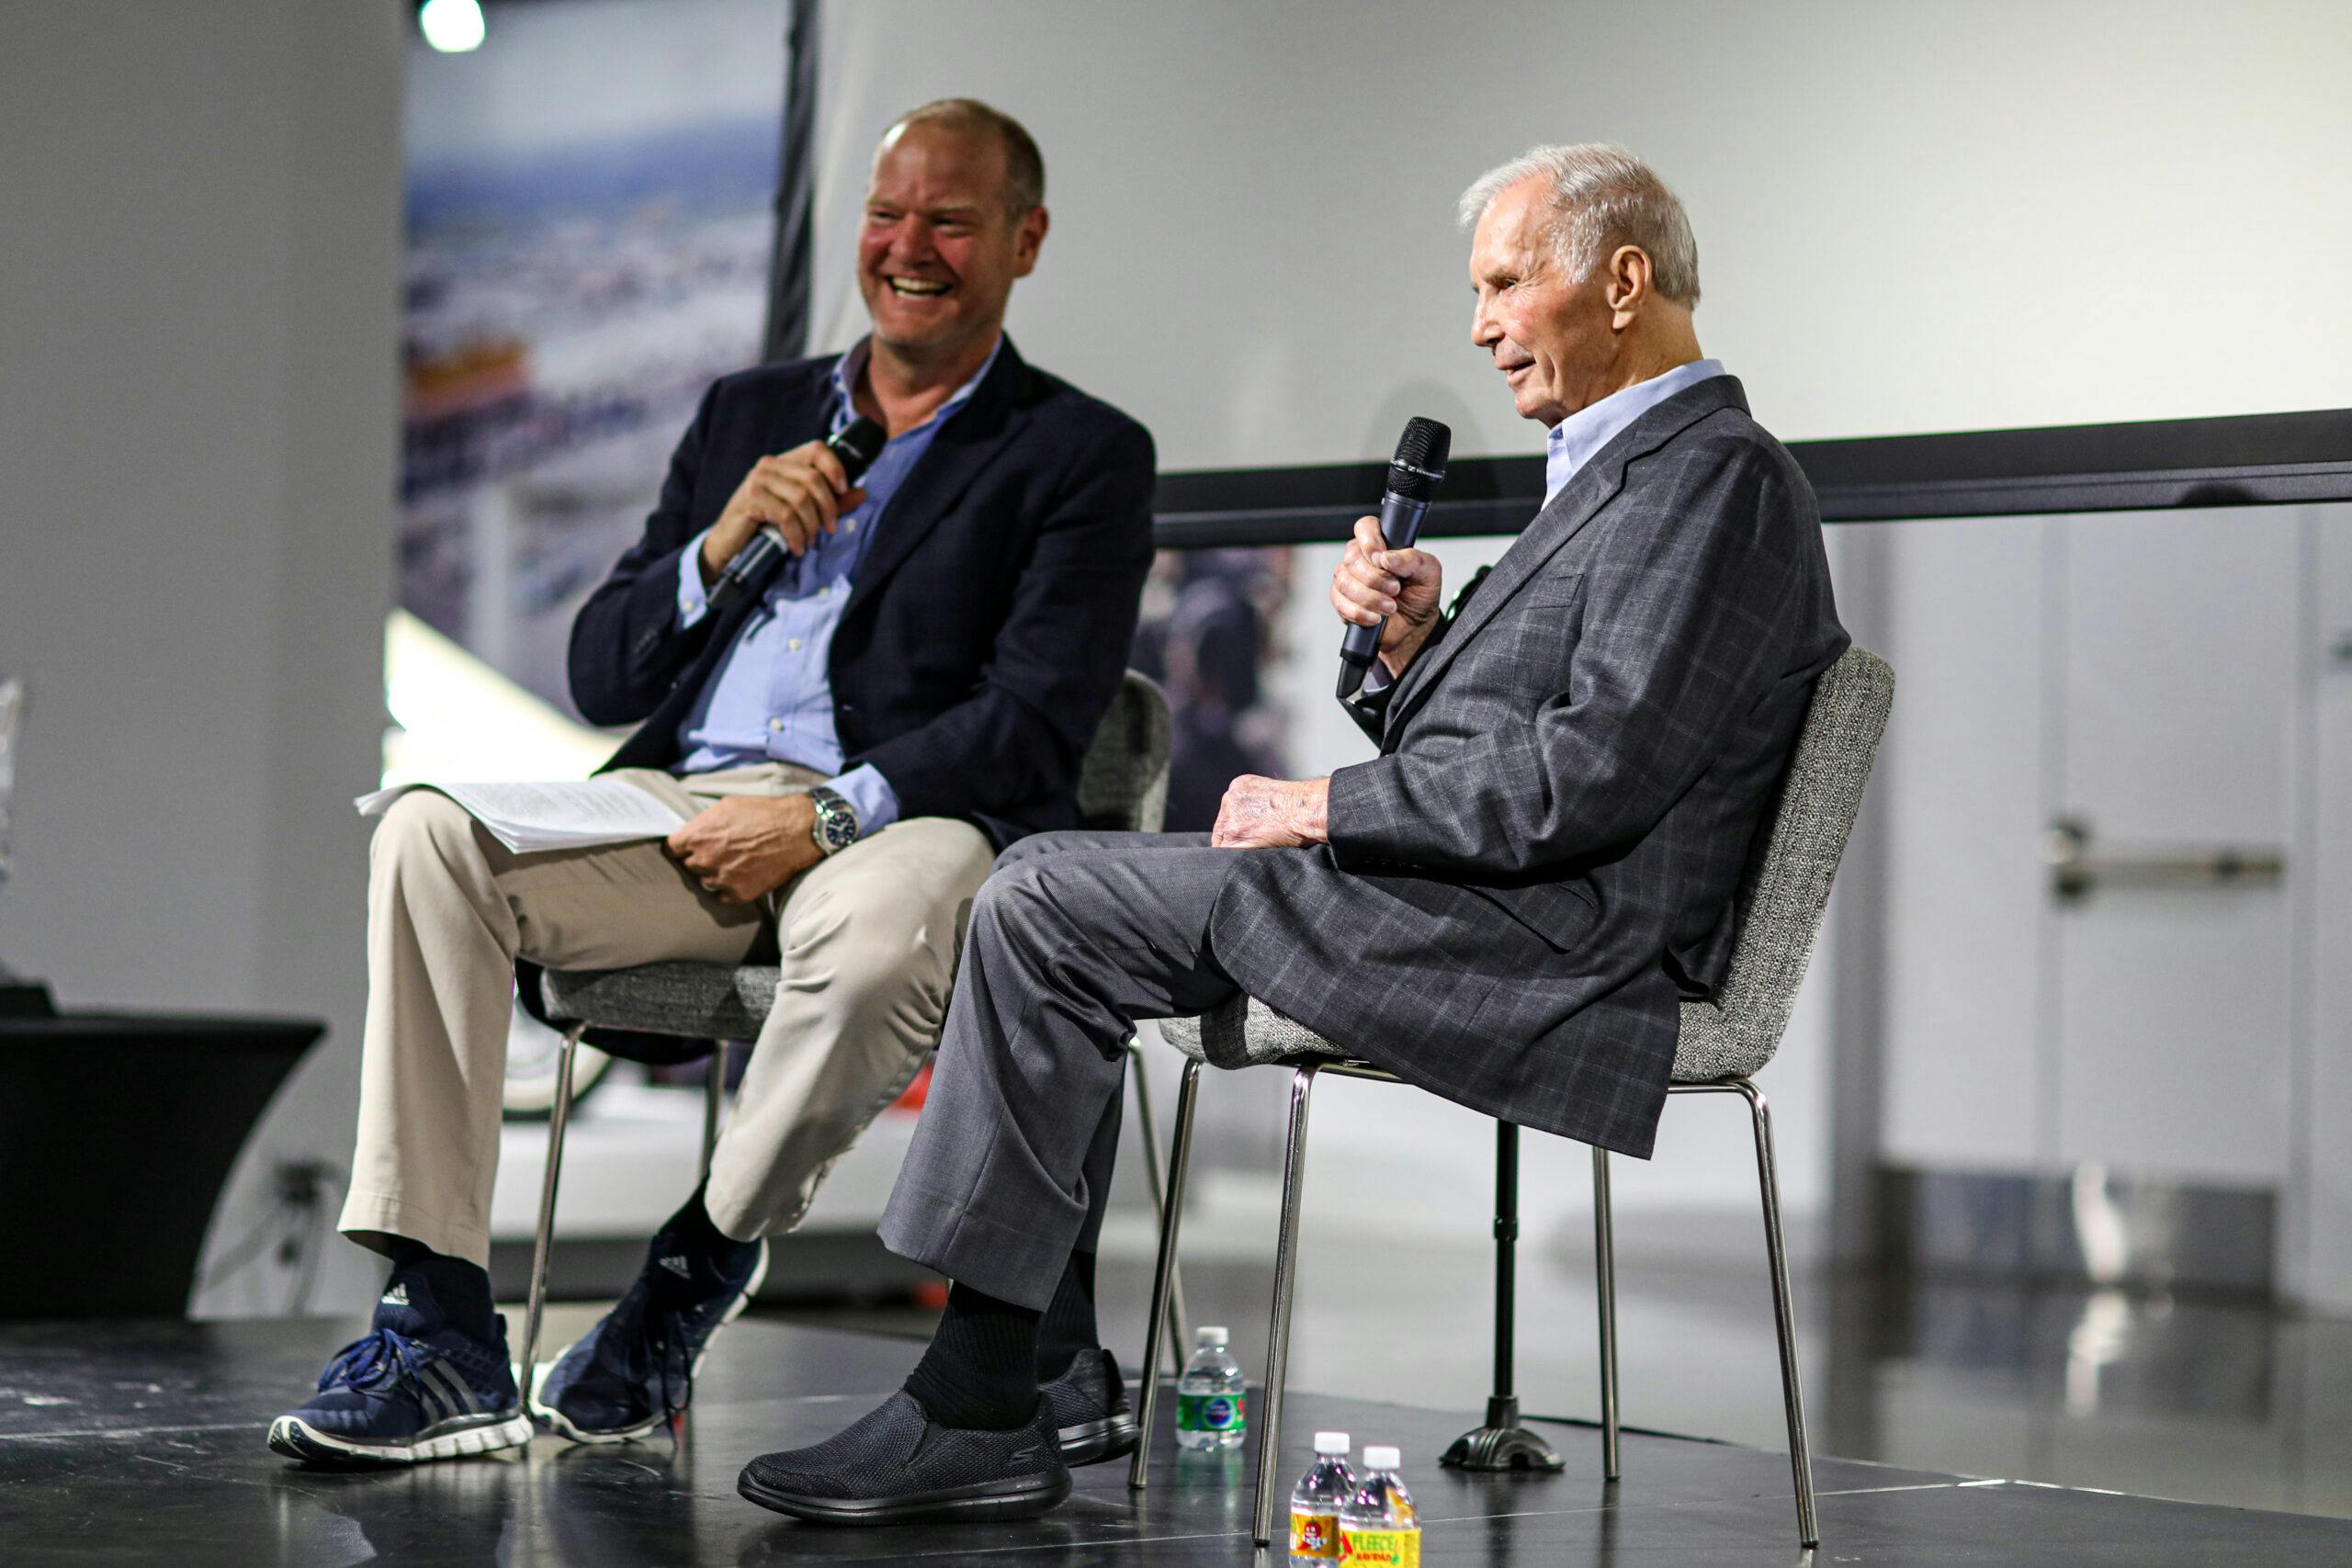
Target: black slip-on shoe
1087	1407
899	1467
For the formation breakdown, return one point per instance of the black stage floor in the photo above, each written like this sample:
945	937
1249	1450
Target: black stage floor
142	1443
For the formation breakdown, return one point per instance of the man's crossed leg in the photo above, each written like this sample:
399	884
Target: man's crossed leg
1075	938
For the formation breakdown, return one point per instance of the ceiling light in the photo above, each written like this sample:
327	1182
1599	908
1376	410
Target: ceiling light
452	26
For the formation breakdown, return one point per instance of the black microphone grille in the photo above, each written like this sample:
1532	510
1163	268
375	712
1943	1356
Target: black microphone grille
1420	464
857	444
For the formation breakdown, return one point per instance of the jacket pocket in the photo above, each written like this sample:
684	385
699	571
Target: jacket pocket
1555	591
1561	913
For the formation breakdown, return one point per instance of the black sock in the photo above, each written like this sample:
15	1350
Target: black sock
1068	1330
455	1290
692	1228
981	1369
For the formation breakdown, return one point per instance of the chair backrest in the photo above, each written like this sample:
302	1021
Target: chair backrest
1786	884
1123	782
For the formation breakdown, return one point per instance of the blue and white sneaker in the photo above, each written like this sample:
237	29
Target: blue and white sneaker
634	1372
413	1389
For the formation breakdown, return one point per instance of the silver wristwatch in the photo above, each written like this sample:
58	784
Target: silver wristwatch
835	829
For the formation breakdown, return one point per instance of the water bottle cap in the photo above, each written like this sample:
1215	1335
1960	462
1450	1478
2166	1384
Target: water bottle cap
1330	1442
1378	1458
1210	1337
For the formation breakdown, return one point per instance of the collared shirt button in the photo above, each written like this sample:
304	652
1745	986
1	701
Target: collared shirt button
826	591
775	724
793	645
851	525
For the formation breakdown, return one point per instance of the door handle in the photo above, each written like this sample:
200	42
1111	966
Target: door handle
2076	868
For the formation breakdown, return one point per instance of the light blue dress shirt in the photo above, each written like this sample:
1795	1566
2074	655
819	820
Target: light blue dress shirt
771	698
1575	439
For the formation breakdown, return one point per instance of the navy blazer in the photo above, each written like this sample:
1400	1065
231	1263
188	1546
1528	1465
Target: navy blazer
987	628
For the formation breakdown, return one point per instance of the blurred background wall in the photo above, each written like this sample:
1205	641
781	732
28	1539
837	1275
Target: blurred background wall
199	260
1960	215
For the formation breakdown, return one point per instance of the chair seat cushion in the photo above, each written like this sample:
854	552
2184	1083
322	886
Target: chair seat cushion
1246	1032
693	1001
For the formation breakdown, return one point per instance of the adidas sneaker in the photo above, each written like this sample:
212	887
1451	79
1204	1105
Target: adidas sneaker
414	1388
634	1371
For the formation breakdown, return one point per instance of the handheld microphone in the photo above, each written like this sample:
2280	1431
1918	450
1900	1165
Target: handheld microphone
856	445
1414	474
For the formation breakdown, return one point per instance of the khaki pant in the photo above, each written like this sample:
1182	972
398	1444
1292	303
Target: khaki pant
867	941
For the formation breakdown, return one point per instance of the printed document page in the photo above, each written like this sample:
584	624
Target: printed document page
528	817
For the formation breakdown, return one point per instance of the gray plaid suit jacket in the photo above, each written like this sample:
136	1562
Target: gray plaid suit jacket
1540	862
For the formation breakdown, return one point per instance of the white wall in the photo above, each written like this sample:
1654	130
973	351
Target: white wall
1937	215
199	407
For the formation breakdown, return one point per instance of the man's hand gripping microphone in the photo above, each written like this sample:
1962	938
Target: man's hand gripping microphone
856	444
1414	474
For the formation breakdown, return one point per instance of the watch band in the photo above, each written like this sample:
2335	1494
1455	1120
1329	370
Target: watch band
835	829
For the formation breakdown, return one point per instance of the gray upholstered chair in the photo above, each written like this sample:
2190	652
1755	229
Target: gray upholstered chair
1723	1044
668	1014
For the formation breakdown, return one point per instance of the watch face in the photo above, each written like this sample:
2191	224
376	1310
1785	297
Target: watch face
836	822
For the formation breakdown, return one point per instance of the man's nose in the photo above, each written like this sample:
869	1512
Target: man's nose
913	242
1483	330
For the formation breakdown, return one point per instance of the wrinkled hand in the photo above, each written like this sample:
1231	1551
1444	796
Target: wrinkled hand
1372	581
1271	813
748	845
799	494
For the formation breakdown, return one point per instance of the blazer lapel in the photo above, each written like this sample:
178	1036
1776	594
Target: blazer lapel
964	447
1580	501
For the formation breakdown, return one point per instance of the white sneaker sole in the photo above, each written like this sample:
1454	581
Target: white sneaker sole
553	1419
298	1439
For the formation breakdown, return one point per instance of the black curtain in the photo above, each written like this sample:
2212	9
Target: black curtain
795	191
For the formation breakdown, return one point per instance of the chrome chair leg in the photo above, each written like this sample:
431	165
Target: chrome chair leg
1783	1318
714	1094
558	1117
1180	1333
1270	1398
1604	1277
1163	1279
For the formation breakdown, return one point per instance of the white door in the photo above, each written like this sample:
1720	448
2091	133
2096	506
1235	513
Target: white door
2175	744
2165	687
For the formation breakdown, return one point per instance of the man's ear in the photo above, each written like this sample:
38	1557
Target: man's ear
1628	287
1028	239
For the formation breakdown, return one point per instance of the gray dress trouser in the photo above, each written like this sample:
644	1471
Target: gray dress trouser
1072	939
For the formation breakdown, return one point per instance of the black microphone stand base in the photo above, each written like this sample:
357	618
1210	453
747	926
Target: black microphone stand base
1501	1444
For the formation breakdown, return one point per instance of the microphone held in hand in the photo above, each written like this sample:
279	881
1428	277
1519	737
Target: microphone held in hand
1414	474
856	445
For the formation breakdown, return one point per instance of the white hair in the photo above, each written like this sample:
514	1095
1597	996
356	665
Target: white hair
1602	197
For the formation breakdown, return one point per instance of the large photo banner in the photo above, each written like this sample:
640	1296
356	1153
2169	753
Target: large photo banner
588	247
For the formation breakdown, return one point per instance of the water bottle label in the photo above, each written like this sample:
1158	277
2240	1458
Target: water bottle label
1314	1535
1211	1412
1380	1549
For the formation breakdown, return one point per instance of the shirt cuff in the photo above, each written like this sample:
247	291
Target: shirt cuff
1377	679
694	599
870	795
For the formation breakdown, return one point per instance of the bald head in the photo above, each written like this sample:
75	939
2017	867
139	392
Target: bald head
1023	166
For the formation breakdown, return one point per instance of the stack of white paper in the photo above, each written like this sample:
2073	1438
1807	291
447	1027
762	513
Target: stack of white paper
527	817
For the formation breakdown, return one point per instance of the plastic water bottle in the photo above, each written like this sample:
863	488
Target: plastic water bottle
1377	1527
1212	1400
1315	1501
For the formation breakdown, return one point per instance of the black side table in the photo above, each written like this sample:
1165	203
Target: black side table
117	1134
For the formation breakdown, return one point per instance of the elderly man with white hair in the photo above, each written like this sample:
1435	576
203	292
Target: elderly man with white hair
1505	906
